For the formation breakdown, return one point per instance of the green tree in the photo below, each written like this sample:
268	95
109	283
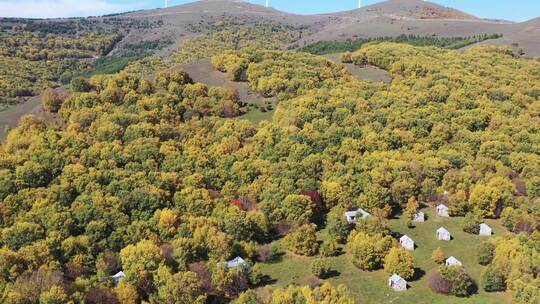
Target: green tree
492	280
337	225
471	223
79	84
462	284
485	253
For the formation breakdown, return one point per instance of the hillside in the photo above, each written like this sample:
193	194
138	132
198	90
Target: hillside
194	155
126	37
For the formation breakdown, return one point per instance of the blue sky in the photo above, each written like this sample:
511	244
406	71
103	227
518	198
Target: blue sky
516	10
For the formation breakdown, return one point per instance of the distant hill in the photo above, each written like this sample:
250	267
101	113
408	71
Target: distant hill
413	9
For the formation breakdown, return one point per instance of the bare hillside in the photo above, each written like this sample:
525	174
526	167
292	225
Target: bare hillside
522	36
389	18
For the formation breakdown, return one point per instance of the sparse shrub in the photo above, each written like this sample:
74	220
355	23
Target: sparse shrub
329	248
51	100
485	253
321	268
462	284
438	256
438	284
471	223
346	57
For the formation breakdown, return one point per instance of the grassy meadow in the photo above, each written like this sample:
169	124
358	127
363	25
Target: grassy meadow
370	287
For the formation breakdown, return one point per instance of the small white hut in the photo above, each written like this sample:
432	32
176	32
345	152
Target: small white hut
452	261
485	230
443	210
351	216
406	242
443	234
118	277
236	262
397	283
419	217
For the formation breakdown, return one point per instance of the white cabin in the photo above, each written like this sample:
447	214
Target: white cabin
443	210
397	283
118	277
419	217
351	216
236	262
452	261
443	234
485	230
406	242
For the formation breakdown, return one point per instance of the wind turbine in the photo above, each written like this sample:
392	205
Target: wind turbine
166	3
267	3
359	3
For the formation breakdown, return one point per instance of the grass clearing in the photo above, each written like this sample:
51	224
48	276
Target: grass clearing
372	73
370	287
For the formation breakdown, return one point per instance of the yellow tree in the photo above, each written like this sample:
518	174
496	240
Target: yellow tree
399	261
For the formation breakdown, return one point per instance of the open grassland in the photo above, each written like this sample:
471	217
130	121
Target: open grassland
370	287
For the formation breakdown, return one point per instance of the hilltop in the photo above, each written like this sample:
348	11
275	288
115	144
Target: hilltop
416	9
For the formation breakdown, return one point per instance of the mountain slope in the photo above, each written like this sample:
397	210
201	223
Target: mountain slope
389	18
524	36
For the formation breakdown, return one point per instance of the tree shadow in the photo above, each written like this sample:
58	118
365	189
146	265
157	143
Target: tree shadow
276	258
332	274
266	280
418	274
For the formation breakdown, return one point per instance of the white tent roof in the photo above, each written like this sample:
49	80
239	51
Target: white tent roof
235	262
356	212
452	260
406	238
442	206
484	226
396	278
442	230
120	274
